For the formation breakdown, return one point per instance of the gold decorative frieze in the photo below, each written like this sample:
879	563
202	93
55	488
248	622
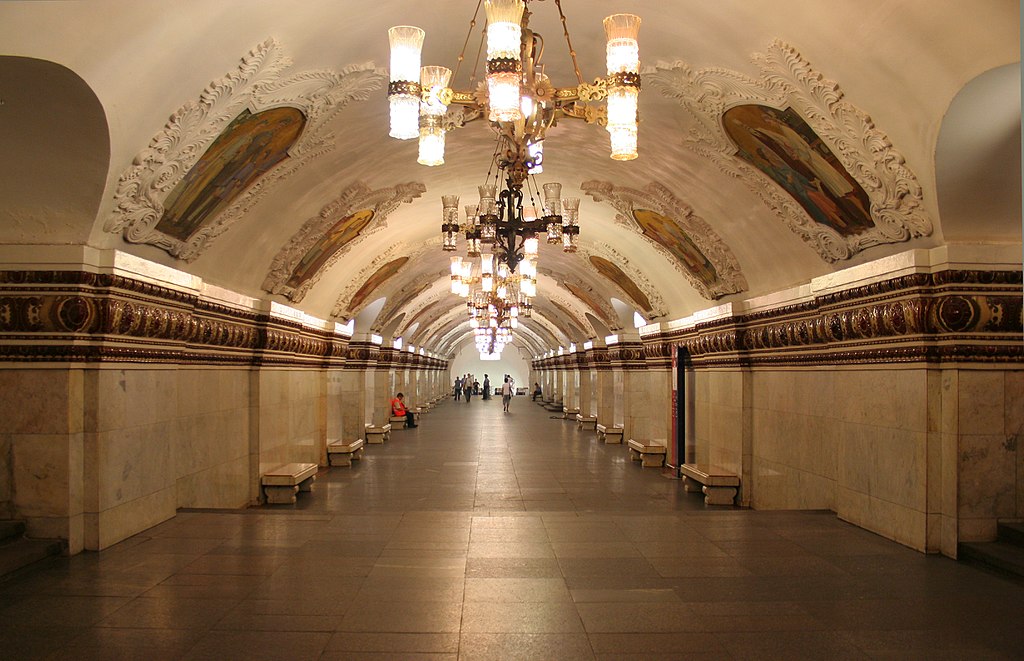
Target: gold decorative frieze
960	316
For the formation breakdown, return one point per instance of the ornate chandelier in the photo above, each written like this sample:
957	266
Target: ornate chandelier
521	104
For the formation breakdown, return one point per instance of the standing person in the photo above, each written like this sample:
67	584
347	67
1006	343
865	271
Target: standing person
487	387
458	388
506	394
398	409
467	389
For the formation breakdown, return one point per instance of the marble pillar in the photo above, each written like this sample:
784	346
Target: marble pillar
586	391
605	396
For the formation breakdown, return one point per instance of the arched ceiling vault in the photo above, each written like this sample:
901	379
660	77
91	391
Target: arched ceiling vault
344	224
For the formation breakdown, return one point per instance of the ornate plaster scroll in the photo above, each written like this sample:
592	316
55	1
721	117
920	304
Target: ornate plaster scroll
341	309
543	322
600	249
659	199
427	310
257	84
356	197
563	315
788	80
406	295
586	296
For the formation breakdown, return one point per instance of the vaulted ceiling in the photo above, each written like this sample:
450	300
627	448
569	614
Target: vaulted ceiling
105	106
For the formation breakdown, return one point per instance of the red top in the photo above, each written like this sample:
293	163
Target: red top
397	407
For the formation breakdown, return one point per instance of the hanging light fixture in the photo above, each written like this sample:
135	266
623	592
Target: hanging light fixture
521	104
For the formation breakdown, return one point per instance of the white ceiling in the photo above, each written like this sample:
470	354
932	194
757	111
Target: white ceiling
121	68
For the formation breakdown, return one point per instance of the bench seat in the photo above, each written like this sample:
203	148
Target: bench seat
282	483
718	485
377	435
569	413
651	454
340	453
586	421
400	419
608	434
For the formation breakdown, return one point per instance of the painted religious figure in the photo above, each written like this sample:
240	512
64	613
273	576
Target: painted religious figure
783	146
669	234
618	276
379	277
248	148
340	234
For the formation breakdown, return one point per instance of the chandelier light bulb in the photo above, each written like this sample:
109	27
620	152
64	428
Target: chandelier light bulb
622	51
530	248
404	91
431	143
504	69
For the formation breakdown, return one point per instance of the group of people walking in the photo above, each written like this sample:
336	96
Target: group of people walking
467	385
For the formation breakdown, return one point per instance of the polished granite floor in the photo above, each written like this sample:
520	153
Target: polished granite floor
483	535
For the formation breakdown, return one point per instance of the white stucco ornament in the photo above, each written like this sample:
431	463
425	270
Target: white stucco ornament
356	198
788	81
258	84
723	275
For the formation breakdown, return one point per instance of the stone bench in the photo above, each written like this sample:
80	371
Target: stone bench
718	485
609	435
340	453
377	435
569	413
554	406
282	483
586	421
649	453
400	419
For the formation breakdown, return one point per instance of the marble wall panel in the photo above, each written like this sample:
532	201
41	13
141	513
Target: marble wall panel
225	484
107	527
43	401
47	472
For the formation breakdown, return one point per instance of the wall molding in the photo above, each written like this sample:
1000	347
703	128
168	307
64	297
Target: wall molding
355	197
82	317
656	197
788	80
948	317
258	83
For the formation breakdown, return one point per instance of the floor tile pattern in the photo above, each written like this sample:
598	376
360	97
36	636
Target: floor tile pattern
484	535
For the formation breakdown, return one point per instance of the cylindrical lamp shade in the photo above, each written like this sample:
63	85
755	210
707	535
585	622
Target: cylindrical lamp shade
504	69
623	62
449	222
403	93
571	229
503	28
553	198
622	51
431	142
406	45
530	246
622	120
405	116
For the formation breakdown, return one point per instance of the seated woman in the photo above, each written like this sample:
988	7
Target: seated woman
398	409
536	391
